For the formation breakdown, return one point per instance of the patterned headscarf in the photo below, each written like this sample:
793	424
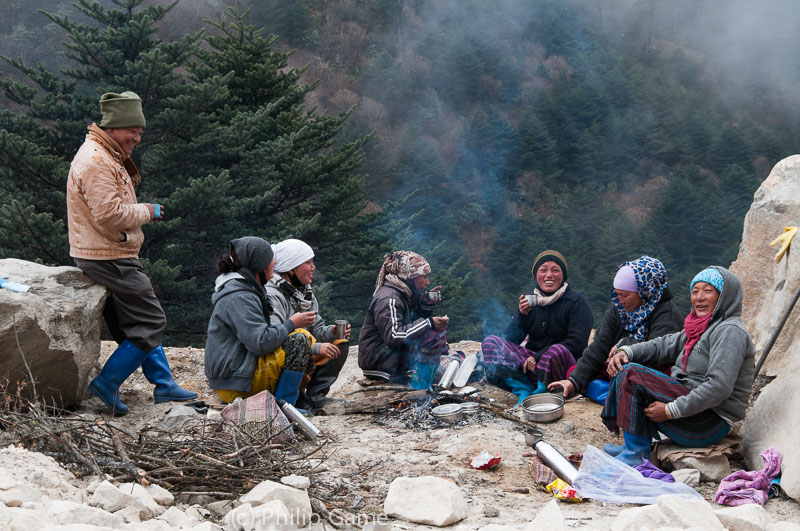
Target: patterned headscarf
399	266
651	281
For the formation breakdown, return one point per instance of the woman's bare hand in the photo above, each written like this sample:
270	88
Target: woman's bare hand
566	385
303	319
657	411
440	323
529	365
616	362
329	350
524	305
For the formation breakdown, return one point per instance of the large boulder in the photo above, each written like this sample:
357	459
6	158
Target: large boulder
774	419
54	328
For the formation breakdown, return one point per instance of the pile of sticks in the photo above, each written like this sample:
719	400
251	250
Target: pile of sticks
200	459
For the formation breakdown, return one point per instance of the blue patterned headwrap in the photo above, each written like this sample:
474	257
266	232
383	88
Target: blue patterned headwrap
709	275
651	280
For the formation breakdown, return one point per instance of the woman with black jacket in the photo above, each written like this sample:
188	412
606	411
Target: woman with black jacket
641	308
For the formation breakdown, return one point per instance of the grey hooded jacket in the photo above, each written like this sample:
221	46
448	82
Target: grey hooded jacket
720	368
284	306
238	334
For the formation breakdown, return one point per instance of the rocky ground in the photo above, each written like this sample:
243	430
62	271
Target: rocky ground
368	451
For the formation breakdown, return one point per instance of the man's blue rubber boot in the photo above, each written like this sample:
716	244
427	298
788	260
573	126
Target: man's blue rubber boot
122	363
288	386
637	449
156	370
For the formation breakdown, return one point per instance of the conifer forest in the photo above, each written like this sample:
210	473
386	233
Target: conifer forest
475	132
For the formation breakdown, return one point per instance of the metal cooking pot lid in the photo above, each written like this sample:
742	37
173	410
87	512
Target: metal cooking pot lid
446	409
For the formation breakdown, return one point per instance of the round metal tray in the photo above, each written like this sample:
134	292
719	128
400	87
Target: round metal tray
545	407
448	412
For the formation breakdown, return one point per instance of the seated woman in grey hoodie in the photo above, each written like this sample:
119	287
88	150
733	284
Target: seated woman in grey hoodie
245	354
711	376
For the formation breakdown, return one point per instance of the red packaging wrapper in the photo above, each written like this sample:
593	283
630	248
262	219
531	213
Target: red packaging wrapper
485	460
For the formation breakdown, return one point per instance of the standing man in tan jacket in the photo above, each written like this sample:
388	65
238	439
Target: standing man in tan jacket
105	235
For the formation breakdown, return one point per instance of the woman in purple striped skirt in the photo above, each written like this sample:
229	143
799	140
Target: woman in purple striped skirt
545	337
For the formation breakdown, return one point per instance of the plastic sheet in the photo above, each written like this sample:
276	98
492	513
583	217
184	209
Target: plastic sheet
603	478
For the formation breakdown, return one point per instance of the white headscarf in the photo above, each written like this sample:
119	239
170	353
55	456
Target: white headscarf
290	254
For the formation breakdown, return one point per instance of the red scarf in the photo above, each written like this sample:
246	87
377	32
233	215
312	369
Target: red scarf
693	327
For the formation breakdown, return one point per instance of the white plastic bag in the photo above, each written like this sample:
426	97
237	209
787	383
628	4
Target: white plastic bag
603	478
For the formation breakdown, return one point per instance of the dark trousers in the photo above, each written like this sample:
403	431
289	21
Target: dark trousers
132	311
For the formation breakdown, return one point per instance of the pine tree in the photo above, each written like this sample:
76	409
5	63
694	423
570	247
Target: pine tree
230	150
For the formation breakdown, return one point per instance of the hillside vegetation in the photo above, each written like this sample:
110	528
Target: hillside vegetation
475	132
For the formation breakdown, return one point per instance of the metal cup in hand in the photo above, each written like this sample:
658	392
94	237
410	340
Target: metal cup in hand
532	300
434	296
340	329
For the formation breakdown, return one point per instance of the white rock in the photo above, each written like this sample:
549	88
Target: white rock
690	476
143	495
110	498
548	519
689	513
295	500
177	518
18	519
205	526
68	512
497	527
160	495
197	512
644	517
749	517
151	525
425	500
271	515
74	527
768	290
19	494
298	482
57	324
782	526
712	469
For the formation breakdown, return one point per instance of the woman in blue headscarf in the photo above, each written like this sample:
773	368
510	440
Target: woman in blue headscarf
641	308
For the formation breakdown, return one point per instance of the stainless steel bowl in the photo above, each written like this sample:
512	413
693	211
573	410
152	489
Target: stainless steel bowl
545	407
451	413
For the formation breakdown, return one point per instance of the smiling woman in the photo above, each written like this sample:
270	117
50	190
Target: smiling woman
546	336
711	376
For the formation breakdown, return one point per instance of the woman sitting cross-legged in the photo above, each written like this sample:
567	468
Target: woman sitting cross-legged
711	376
555	329
244	353
641	308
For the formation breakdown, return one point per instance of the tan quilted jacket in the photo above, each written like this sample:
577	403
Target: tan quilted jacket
104	219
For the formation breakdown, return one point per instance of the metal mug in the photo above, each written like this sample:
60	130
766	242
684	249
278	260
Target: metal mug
532	299
434	296
341	328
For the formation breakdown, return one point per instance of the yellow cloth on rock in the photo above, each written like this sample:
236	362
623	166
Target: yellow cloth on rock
265	377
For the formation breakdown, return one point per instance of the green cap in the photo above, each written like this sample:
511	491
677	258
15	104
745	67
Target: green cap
121	110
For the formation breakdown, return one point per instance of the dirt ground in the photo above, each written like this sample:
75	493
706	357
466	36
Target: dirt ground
366	452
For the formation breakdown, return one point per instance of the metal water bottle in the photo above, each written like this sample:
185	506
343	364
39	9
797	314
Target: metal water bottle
299	420
557	462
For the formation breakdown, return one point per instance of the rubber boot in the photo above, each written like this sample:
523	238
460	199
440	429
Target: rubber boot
323	378
122	363
156	370
637	448
613	449
288	386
